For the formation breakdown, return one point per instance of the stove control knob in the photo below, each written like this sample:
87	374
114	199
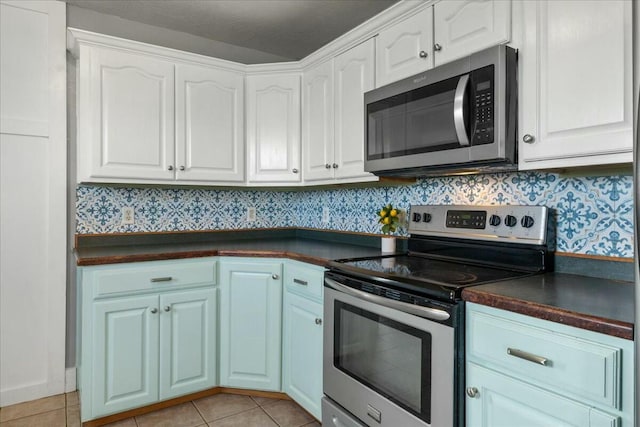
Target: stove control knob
417	217
510	220
527	221
494	220
426	217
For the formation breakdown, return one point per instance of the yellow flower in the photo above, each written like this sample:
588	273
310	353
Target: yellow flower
387	220
383	213
394	212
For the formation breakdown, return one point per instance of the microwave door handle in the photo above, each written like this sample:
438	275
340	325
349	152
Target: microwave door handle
458	116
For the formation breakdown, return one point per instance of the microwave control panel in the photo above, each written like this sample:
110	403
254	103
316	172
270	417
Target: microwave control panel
482	82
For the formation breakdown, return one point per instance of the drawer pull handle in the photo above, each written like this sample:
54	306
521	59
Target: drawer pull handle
300	282
528	356
161	279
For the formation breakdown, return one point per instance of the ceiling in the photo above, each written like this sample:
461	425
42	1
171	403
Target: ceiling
290	29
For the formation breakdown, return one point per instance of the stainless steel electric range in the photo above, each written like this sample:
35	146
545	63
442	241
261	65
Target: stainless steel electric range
394	324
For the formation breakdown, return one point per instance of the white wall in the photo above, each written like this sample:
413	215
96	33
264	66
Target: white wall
90	20
33	160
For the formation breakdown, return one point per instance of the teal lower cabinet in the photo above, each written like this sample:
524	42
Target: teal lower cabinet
250	323
302	336
146	332
522	371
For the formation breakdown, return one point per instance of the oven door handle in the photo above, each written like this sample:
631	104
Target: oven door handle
418	310
458	110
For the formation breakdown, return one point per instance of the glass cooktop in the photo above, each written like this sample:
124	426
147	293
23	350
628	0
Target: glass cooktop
419	269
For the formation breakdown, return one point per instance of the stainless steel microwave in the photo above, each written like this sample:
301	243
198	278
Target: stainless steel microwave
459	117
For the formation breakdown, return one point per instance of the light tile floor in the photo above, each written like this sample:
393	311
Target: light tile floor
220	410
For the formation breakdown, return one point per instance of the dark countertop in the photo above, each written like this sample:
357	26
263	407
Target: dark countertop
307	250
594	304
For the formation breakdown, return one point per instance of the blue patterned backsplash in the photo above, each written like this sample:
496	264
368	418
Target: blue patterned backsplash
594	215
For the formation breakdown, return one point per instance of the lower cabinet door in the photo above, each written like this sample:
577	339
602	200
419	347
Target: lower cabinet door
187	342
502	401
302	352
250	324
125	358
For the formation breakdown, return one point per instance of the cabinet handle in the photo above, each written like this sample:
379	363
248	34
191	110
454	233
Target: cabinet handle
328	166
182	168
437	47
528	139
300	282
528	356
275	276
335	166
294	170
154	310
161	279
167	308
423	54
472	392
170	167
318	321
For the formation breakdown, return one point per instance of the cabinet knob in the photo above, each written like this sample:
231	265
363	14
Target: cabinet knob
472	392
167	308
423	54
154	310
182	168
528	139
437	47
275	276
318	321
294	170
335	166
328	166
170	167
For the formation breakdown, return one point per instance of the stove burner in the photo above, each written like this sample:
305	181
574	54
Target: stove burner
453	277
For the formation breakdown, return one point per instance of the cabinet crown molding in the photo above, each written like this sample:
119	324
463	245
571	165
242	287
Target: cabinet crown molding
77	37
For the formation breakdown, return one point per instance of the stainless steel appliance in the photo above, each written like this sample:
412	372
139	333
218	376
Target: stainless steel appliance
394	325
636	183
457	117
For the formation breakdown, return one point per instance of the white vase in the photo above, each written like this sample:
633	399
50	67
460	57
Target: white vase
388	244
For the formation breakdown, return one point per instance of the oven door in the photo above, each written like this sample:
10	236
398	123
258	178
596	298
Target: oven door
386	366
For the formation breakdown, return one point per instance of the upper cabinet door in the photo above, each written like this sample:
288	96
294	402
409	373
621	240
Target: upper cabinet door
353	76
462	27
130	102
576	84
405	49
273	128
209	124
317	125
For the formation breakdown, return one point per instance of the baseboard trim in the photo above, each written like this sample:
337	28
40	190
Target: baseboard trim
182	399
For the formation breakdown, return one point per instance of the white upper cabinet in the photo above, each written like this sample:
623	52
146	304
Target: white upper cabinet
125	115
462	27
209	124
444	32
575	84
405	49
131	129
353	76
317	125
273	128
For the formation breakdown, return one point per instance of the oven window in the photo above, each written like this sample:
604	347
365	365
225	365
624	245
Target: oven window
389	357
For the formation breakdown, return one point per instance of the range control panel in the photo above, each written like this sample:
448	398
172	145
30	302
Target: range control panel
521	224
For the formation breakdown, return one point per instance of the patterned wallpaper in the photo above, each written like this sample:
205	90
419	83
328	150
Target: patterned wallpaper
594	215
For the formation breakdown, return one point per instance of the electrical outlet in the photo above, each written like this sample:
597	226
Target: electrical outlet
325	215
251	214
128	215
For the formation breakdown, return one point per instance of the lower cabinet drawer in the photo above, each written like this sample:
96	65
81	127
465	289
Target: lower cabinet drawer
564	363
304	280
150	276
